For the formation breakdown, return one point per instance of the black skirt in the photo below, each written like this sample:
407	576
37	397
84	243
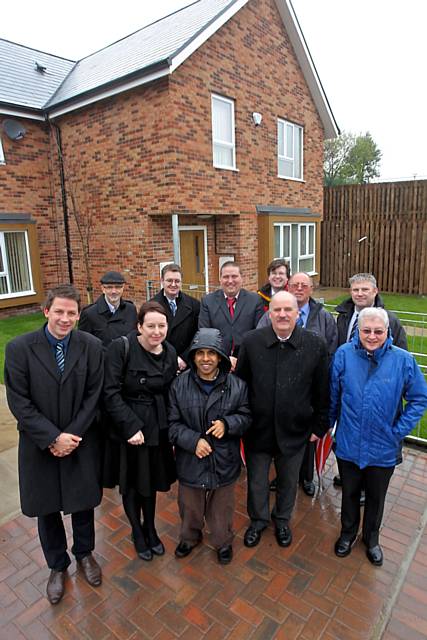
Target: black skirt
143	468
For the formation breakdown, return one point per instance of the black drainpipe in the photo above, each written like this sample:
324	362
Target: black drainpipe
64	201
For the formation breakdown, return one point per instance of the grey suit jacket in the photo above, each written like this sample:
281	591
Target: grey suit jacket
214	314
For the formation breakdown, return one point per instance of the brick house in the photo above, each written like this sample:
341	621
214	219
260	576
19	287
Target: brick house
197	138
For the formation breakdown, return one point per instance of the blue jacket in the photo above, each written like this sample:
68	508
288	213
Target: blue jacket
366	400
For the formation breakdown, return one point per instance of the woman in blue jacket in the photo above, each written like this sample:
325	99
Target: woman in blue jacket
370	377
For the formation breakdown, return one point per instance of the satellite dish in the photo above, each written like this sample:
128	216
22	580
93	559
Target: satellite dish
14	129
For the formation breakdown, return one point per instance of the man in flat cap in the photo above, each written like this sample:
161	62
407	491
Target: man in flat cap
110	316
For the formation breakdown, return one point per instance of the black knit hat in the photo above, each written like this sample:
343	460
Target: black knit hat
112	277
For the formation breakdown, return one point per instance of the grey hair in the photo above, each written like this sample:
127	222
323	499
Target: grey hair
373	312
363	277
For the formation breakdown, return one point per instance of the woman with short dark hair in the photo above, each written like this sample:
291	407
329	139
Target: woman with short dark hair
139	370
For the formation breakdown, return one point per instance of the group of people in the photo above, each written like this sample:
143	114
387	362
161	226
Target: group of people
140	399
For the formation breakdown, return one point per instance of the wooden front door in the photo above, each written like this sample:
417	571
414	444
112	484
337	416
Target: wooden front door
192	246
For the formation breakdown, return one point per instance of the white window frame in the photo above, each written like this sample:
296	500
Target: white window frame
281	226
302	227
2	158
224	143
5	273
296	128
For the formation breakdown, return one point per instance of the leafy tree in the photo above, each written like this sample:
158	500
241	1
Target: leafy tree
351	159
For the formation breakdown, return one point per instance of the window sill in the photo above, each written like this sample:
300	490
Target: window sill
217	166
293	179
20	294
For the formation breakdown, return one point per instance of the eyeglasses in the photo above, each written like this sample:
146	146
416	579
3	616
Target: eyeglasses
297	285
377	332
111	287
171	281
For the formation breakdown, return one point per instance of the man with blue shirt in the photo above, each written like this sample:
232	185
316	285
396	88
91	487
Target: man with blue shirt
53	380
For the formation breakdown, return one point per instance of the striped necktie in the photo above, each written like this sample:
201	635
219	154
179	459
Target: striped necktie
60	356
172	304
353	328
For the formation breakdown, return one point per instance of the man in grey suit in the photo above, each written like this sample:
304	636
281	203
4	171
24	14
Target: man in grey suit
231	309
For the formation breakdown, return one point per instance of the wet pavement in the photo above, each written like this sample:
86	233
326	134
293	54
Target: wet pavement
303	592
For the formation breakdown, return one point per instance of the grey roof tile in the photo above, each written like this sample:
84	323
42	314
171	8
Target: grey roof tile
152	44
20	82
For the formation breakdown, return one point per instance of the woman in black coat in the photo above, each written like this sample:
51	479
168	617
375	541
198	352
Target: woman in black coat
137	377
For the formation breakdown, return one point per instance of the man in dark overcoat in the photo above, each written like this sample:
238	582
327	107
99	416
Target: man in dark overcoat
181	309
110	316
53	380
286	369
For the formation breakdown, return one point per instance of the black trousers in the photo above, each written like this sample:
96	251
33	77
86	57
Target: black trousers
375	481
258	501
54	540
307	465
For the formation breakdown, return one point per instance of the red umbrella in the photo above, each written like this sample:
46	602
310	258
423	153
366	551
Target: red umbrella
323	449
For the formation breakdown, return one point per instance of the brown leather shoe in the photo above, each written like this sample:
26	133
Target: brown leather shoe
91	570
55	586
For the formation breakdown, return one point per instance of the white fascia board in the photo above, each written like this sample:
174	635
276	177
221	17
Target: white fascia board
180	57
21	114
303	55
108	93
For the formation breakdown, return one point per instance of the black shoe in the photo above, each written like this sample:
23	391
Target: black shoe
146	555
55	586
337	482
91	570
184	549
225	554
375	555
343	546
154	543
362	498
309	488
252	537
273	485
283	536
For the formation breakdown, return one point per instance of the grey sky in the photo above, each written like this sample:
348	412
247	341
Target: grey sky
370	56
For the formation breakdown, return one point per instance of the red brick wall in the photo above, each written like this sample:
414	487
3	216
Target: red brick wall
133	160
26	187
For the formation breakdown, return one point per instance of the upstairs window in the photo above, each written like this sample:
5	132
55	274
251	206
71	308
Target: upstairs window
223	135
15	264
289	146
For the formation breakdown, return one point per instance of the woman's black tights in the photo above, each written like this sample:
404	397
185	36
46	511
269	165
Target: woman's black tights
144	534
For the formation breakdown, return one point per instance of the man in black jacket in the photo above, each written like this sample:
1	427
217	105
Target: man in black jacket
364	293
110	316
181	309
286	369
208	414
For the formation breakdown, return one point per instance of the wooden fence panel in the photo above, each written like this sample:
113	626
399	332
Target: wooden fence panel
393	217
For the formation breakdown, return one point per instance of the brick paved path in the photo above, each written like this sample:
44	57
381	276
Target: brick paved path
303	592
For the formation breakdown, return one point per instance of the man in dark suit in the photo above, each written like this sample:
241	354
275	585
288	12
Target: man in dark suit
181	309
286	370
231	309
110	316
53	380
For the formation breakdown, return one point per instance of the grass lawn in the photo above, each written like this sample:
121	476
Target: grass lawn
394	301
11	327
